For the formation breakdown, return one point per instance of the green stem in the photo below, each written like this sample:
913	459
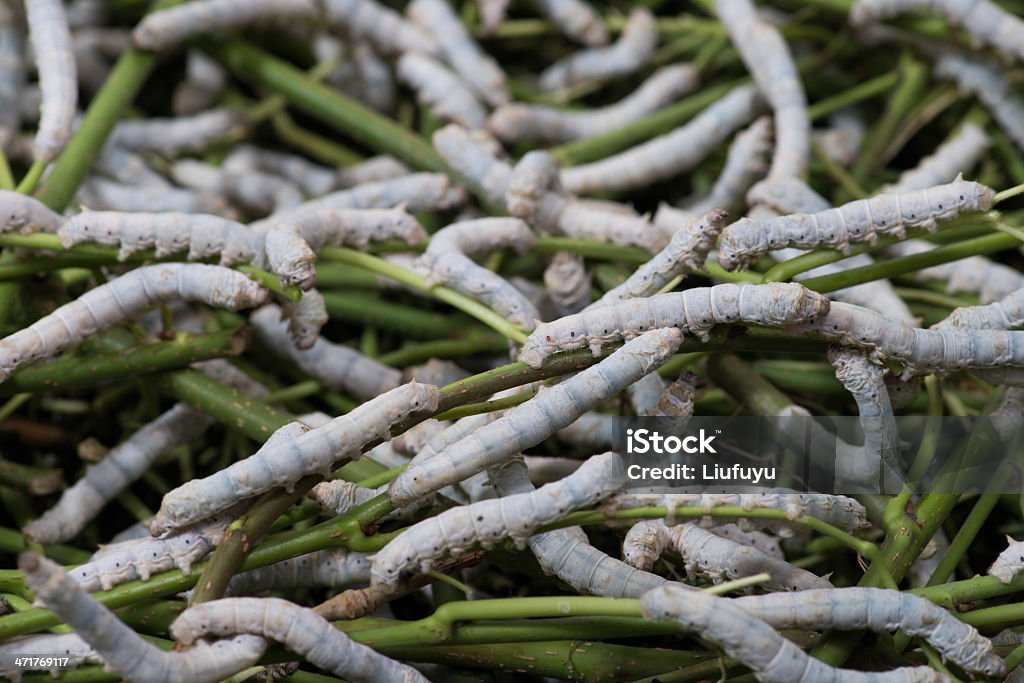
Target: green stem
859	93
471	344
31	179
378	313
486	406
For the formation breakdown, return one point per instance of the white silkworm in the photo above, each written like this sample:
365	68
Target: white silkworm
531	178
1010	562
694	311
645	393
120	646
312	178
25	214
772	658
988	279
381	26
123	298
489	521
838	511
447	263
12	71
766	543
169	27
768	59
437	371
627	55
171	137
304	318
254	191
414	192
338	497
567	282
438	88
128	168
677	398
373	170
168	233
667	155
860	221
45	646
684	254
474	66
203	84
956	155
990	86
99	193
284	463
333	365
576	19
333	568
1005	314
882	611
519	122
646	541
471	157
841	141
530	423
55	61
300	629
984	21
291	243
121	466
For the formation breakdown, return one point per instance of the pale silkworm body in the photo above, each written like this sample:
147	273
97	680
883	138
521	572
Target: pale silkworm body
301	630
772	658
447	263
55	61
452	434
492	13
684	254
489	521
338	497
838	511
128	168
956	155
333	568
475	67
520	122
437	371
334	365
986	82
366	76
1007	419
166	28
312	178
644	544
984	21
531	178
473	158
25	214
694	311
120	646
668	155
861	221
305	318
562	214
170	137
253	191
46	646
204	81
576	19
12	70
766	543
544	469
373	170
414	192
99	193
567	282
124	464
882	611
381	26
202	236
988	279
1005	314
1010	562
284	463
627	55
645	393
841	141
438	88
123	298
677	398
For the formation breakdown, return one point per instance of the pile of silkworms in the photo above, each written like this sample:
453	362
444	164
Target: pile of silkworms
320	321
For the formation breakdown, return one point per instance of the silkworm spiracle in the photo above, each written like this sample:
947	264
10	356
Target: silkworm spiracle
58	80
124	298
694	311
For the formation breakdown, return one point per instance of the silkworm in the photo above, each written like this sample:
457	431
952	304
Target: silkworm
128	168
366	76
694	311
860	221
99	193
985	22
677	398
645	393
838	511
530	423
684	254
627	55
667	155
122	465
990	86
988	279
124	298
436	371
312	178
766	543
55	61
576	19
841	140
473	65
25	214
304	318
332	568
203	84
489	521
772	658
291	244
1005	314
1010	562
879	610
438	88
956	155
254	191
374	169
283	464
169	27
12	70
381	26
338	497
333	365
414	192
520	122
567	283
468	155
300	629
447	263
768	59
45	645
531	178
202	236
174	136
120	646
492	13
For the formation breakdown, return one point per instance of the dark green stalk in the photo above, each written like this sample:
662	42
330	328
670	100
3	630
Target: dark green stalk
469	345
379	313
